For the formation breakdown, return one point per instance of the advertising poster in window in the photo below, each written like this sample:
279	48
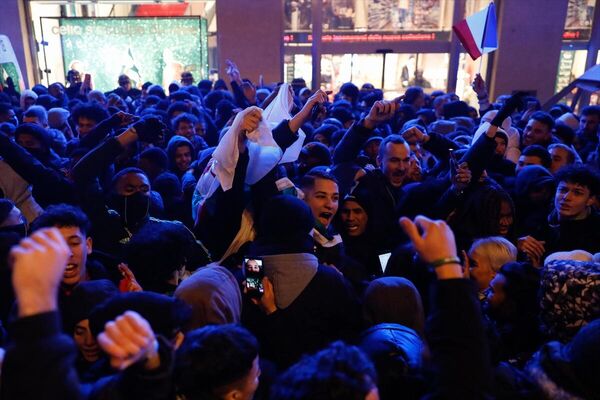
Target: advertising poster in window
297	15
157	50
578	24
339	14
9	66
360	21
410	15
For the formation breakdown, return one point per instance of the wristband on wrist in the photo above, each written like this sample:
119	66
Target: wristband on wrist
444	261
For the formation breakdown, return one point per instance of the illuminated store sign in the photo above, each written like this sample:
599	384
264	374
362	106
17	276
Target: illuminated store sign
369	37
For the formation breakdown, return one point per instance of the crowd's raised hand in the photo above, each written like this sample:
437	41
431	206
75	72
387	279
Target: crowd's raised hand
381	111
38	263
316	100
130	339
435	244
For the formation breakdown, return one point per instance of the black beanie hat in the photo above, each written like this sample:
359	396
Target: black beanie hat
85	297
46	101
456	109
284	227
530	177
359	198
318	151
351	90
341	114
166	315
157	156
285	216
168	185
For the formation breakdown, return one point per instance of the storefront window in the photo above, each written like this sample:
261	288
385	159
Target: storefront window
570	66
63	39
355	21
578	24
387	15
401	71
356	68
297	66
467	71
429	71
297	15
473	6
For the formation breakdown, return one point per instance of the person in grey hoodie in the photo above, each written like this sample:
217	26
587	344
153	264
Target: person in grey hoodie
305	305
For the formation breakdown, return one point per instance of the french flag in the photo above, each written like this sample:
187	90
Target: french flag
477	33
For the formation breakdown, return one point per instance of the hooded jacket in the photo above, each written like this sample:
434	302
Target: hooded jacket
531	216
394	300
315	304
214	295
174	143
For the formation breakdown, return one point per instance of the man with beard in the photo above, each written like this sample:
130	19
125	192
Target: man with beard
358	238
538	130
382	187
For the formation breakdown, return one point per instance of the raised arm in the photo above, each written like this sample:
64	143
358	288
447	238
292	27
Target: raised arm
105	127
455	328
304	114
243	92
29	167
40	350
438	145
219	218
354	139
480	90
480	153
150	130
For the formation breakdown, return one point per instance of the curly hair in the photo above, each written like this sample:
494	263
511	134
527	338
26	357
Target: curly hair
337	372
212	359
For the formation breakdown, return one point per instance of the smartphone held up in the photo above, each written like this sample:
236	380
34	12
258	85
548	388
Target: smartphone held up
254	271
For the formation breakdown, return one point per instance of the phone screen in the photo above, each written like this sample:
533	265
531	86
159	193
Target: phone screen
383	261
253	268
453	162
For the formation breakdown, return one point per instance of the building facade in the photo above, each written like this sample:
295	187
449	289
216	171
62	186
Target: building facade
543	44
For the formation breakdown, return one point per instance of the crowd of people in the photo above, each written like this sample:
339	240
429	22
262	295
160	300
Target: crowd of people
223	240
